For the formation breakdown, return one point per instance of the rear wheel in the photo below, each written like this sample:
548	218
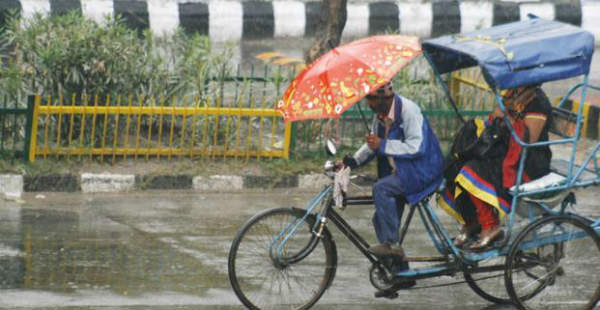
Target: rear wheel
554	263
267	272
489	285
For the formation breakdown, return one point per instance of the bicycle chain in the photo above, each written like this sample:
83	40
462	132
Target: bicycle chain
450	283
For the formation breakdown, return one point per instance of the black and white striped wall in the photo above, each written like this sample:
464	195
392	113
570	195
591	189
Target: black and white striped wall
235	20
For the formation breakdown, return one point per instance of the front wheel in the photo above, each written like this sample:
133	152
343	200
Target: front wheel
554	263
272	268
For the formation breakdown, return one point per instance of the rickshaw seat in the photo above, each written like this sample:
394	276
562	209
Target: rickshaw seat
530	204
548	180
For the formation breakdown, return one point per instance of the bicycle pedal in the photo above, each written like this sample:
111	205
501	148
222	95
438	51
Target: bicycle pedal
386	294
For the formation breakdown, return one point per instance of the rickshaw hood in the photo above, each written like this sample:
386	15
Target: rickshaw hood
520	53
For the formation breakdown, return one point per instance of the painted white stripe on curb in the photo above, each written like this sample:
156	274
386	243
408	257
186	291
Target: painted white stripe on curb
313	181
225	21
290	18
30	7
416	19
8	251
218	183
164	16
542	10
107	183
475	16
11	185
357	24
97	10
590	19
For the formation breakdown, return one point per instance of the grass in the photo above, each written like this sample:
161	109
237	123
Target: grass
268	167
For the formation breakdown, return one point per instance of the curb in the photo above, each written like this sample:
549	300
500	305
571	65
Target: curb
591	116
107	183
12	185
51	183
236	20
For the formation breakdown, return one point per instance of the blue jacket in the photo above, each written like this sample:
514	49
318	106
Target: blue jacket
413	146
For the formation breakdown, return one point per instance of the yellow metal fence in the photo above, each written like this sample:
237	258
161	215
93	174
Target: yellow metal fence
470	91
124	126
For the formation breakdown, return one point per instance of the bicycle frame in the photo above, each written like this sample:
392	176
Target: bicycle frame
439	236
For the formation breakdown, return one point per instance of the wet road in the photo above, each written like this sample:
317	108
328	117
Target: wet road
168	250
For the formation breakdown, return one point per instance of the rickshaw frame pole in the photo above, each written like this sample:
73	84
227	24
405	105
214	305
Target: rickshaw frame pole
444	86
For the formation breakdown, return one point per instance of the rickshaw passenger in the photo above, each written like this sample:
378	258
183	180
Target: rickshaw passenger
478	192
409	163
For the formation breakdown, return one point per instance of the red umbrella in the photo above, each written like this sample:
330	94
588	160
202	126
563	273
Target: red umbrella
345	74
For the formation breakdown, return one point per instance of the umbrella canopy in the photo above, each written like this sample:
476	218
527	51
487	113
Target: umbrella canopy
345	74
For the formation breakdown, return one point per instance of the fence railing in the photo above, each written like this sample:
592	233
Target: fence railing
471	93
15	118
234	118
110	128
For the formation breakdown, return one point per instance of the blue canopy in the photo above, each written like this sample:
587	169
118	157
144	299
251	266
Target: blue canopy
515	54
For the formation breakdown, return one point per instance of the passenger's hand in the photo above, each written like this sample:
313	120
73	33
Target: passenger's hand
373	141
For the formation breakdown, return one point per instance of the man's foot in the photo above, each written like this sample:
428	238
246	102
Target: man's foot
486	238
385	249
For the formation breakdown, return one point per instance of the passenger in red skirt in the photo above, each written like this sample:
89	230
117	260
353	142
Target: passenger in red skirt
478	181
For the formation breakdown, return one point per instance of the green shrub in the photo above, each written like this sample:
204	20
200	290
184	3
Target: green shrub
72	54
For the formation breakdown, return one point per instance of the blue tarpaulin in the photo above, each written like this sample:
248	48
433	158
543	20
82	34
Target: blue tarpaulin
515	54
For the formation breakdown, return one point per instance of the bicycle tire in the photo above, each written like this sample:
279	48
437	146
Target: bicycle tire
549	261
495	289
252	249
489	293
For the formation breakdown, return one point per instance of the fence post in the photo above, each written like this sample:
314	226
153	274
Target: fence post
454	87
33	105
289	139
28	127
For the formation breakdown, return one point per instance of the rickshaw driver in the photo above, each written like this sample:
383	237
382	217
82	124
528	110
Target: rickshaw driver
409	163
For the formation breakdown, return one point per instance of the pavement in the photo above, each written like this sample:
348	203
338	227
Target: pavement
168	250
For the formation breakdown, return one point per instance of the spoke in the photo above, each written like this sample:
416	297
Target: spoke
556	273
263	283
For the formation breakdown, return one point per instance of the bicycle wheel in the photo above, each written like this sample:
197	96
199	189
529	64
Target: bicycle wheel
555	264
489	285
294	276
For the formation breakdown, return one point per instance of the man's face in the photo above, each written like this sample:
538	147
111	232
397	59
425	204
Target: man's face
379	105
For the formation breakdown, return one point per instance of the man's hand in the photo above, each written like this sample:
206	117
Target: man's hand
373	141
349	161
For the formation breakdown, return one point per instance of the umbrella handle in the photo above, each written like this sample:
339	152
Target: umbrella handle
363	117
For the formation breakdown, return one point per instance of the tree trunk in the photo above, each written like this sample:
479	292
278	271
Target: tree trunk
331	24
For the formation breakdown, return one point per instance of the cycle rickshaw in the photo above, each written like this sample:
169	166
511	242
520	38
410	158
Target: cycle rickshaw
286	257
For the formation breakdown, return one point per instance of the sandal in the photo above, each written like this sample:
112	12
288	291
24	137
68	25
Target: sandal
466	233
485	241
461	239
